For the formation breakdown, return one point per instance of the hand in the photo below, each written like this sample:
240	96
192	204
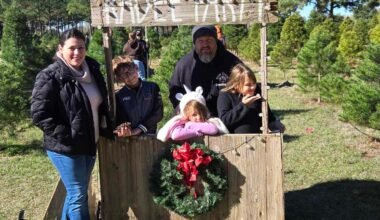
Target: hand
123	130
136	131
249	99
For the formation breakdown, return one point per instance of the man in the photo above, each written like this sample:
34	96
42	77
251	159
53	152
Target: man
208	65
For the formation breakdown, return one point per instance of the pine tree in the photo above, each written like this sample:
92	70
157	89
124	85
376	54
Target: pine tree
154	43
249	47
314	20
361	27
334	83
274	34
292	38
234	34
316	58
16	39
346	25
119	38
180	44
361	104
374	34
15	81
79	9
350	45
95	49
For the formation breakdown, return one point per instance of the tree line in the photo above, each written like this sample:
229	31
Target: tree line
335	57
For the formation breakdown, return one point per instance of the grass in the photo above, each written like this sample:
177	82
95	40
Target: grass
27	177
327	173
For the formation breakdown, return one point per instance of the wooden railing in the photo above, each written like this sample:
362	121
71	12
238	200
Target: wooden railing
253	163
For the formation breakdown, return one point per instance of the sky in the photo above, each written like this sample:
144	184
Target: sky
307	9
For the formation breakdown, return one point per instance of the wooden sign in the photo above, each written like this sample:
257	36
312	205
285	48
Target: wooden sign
113	13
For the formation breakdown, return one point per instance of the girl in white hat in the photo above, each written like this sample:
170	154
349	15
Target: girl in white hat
193	120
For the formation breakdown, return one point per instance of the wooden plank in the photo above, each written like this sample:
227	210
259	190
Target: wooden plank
54	209
229	208
109	178
275	198
107	47
264	79
176	12
256	179
262	179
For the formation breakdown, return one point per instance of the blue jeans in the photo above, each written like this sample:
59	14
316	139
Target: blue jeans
75	172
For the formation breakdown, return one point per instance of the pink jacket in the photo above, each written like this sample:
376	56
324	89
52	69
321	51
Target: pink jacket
189	129
178	129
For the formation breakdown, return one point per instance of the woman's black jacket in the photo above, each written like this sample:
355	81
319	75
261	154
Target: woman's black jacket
61	109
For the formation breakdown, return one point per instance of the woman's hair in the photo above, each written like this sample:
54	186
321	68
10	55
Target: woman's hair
75	33
121	63
195	106
237	78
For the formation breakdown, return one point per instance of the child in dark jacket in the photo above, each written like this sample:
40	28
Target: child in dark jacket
239	104
193	120
138	104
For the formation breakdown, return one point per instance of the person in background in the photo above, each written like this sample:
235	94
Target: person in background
139	36
134	47
193	121
239	104
138	104
220	35
207	65
69	104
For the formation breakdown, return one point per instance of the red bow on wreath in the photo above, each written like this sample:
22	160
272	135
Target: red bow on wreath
189	160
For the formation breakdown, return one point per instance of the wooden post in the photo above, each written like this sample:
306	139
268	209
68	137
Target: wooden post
263	70
107	46
147	54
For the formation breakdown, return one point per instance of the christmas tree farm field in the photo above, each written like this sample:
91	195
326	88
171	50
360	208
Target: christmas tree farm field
331	170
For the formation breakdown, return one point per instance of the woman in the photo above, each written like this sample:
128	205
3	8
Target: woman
69	104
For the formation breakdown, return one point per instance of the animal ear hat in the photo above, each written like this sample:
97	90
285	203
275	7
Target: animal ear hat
190	95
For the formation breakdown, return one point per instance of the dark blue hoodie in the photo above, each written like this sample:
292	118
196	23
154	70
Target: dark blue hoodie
211	76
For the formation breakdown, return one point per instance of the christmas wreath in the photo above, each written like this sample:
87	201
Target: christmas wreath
188	180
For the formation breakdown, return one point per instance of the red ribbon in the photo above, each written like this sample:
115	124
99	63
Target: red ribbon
189	160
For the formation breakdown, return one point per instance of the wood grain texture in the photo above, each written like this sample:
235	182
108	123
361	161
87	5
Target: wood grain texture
254	173
114	13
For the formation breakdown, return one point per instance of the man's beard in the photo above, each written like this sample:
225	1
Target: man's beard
206	58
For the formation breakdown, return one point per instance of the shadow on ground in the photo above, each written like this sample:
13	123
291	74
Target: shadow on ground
22	149
344	199
281	112
289	138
